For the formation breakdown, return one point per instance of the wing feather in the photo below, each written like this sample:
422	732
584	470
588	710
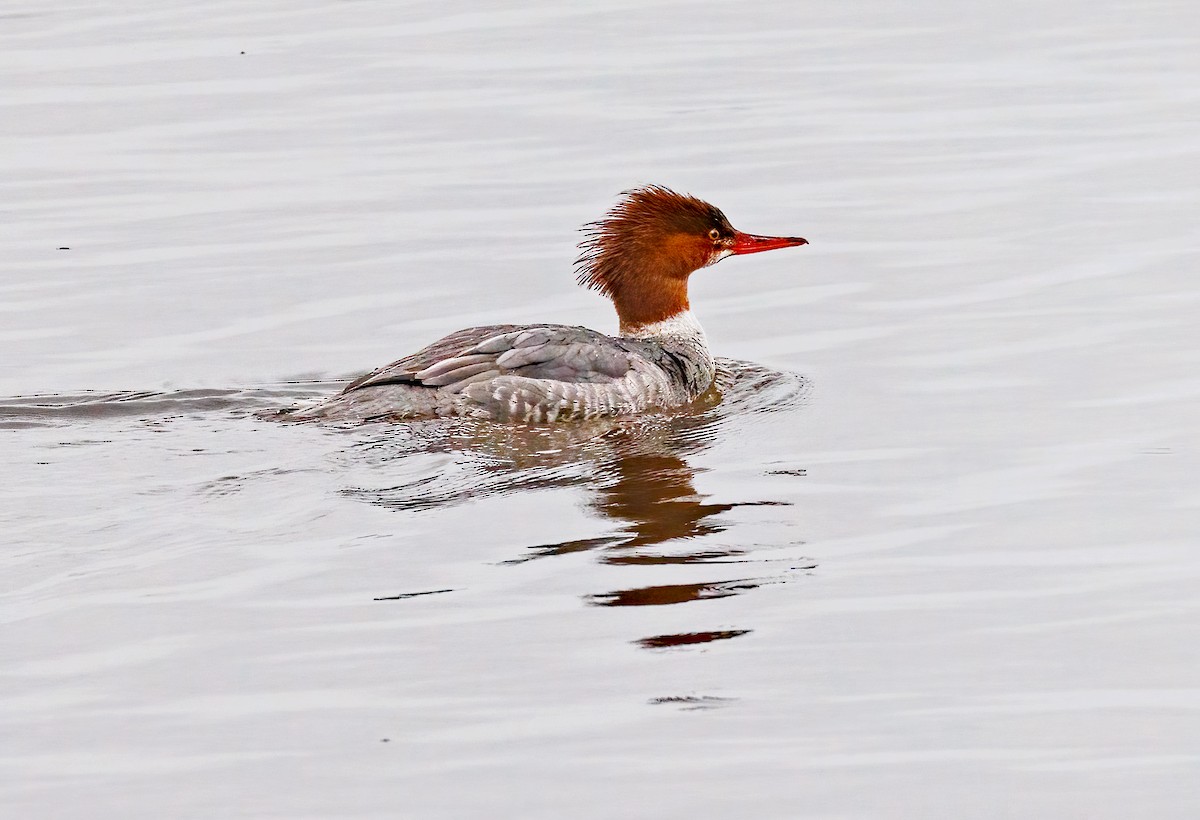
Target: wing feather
546	352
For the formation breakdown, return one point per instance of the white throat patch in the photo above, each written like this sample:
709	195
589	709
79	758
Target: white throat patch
682	325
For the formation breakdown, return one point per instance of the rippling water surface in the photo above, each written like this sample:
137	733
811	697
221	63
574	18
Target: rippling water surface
929	549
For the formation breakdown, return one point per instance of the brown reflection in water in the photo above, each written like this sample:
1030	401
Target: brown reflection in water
654	493
672	593
568	547
653	496
690	638
701	557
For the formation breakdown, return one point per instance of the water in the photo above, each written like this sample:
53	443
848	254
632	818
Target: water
932	555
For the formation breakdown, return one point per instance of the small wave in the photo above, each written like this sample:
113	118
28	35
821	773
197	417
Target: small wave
740	391
746	387
51	410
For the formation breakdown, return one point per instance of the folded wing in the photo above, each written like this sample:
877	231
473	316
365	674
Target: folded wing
554	352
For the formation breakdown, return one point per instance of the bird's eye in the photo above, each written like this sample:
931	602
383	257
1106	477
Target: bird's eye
714	234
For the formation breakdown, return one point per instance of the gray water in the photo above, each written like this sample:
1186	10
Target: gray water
935	552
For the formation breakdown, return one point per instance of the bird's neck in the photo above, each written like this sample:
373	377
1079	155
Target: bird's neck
641	305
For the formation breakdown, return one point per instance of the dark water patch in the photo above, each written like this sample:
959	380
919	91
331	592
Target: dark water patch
668	594
711	556
568	548
612	554
690	638
691	703
403	596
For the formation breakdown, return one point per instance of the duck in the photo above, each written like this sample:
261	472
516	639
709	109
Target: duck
640	256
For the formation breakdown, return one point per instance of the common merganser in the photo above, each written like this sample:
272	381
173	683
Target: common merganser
640	256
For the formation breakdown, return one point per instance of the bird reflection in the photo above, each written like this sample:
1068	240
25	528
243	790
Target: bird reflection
653	499
637	472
